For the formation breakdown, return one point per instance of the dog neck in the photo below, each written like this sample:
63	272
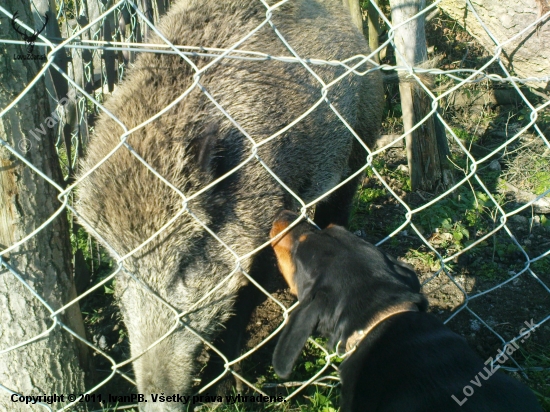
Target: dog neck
356	337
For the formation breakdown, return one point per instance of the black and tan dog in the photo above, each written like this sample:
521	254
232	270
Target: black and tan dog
404	359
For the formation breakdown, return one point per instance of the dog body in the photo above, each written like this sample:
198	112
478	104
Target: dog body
404	359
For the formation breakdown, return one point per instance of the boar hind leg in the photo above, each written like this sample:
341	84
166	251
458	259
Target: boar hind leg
337	208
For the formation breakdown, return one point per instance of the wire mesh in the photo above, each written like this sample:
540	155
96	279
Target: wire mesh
90	77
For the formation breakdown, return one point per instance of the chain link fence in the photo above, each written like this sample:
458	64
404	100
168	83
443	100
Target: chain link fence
103	41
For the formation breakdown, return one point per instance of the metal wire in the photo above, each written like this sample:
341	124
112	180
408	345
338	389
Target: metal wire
89	102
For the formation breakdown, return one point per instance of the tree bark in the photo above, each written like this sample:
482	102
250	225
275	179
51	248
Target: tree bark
426	153
528	55
52	364
374	29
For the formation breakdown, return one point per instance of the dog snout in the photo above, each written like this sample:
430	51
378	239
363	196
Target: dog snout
282	221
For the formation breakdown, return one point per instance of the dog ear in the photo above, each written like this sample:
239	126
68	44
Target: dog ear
406	273
301	325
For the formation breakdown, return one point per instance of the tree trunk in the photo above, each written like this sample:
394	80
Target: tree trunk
426	153
529	54
374	29
51	364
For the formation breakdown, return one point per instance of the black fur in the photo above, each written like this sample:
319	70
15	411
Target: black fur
408	362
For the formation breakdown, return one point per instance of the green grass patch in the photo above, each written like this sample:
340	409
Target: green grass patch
541	181
361	206
541	265
463	215
488	271
537	356
465	136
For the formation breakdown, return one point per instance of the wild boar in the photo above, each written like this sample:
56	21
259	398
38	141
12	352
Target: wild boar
194	143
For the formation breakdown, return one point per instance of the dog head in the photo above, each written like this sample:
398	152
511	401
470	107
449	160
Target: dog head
342	282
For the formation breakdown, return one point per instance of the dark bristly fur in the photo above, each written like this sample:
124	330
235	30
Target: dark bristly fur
193	144
409	362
